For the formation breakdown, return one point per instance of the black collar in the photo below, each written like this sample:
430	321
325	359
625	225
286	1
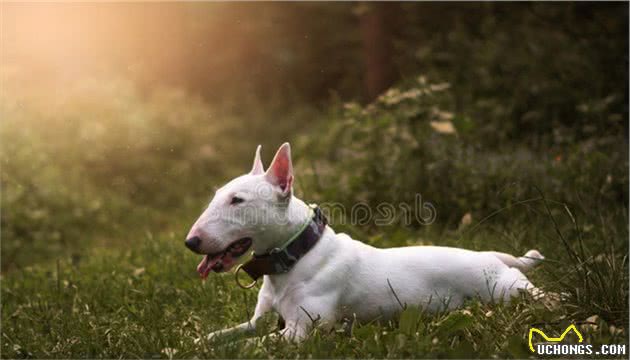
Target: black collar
279	261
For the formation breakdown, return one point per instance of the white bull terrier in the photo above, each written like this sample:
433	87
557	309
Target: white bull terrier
310	272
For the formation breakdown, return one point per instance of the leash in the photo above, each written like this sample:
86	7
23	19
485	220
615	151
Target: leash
281	259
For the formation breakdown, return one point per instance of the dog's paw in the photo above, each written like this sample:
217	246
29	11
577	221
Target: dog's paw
208	338
214	335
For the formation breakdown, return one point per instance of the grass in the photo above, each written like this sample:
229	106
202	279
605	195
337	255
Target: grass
94	211
146	301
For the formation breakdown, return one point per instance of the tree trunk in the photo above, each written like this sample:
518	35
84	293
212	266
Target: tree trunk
376	32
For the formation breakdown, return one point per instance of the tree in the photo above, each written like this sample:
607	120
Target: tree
376	23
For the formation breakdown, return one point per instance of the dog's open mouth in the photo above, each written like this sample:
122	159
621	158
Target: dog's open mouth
223	260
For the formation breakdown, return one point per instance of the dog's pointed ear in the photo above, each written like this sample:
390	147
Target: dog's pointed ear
257	168
280	172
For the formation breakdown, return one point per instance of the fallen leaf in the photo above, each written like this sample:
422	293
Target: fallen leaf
443	127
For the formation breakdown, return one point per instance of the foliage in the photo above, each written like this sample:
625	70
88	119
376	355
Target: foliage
101	159
409	142
536	72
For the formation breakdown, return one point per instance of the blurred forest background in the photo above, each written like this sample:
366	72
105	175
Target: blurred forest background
119	119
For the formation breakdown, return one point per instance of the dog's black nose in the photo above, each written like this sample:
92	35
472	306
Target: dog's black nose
193	243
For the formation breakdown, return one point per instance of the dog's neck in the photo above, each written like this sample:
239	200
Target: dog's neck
277	234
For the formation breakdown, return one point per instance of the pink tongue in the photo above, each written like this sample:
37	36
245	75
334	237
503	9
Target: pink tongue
205	266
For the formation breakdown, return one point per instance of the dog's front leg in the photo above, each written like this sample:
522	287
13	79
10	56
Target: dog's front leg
263	305
246	328
319	312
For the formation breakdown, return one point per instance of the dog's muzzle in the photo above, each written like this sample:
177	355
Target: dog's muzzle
193	243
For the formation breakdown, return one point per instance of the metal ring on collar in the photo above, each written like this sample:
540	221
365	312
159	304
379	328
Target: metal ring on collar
238	282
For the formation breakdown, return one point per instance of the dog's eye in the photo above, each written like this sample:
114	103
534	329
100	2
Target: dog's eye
236	200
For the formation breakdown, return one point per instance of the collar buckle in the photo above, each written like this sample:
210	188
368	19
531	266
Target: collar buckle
283	260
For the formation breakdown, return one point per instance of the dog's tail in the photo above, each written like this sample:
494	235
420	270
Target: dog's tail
523	263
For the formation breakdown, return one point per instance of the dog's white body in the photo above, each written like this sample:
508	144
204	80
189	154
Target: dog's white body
341	278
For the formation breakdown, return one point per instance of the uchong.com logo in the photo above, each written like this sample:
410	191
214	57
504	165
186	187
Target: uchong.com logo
555	345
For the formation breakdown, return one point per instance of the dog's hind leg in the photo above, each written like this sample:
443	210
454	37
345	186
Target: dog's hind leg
513	281
510	283
523	263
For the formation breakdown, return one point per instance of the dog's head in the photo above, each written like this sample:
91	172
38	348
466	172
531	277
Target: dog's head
244	214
